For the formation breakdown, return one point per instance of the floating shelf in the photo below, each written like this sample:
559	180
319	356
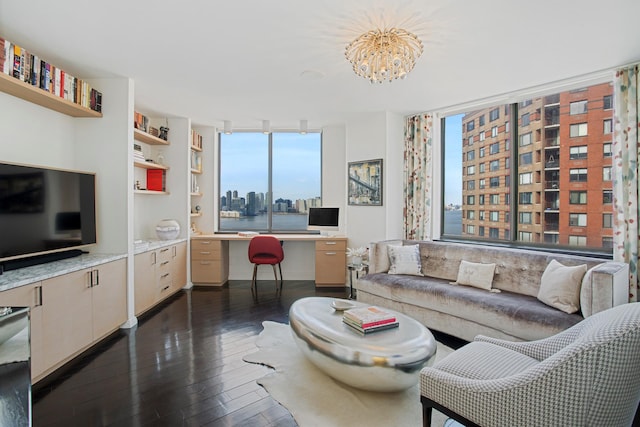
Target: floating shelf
148	138
150	192
194	148
149	165
196	171
196	194
196	214
23	90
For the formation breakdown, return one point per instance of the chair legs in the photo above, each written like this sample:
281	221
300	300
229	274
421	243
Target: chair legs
254	285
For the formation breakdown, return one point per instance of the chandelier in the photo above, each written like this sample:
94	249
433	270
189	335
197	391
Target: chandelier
384	54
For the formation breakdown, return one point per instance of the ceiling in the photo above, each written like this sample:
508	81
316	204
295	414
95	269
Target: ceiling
283	60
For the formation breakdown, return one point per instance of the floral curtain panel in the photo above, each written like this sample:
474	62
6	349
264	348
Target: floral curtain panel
417	177
625	173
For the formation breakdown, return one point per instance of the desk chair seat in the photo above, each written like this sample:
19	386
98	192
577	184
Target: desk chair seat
265	250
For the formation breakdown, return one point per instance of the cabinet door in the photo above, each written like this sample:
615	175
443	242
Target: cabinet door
145	289
179	264
29	296
330	267
109	297
66	315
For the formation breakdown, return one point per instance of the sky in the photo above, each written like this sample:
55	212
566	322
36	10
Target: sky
296	164
453	160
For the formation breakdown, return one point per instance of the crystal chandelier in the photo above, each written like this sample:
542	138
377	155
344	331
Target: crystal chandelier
384	54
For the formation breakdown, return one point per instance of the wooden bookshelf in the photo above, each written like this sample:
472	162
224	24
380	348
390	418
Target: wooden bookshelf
151	192
149	165
30	93
196	148
147	138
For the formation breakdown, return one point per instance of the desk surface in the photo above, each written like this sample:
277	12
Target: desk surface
294	237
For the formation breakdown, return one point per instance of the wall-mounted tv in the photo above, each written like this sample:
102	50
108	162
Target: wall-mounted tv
44	210
323	219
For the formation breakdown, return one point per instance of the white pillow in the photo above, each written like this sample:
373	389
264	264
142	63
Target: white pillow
560	286
475	274
405	260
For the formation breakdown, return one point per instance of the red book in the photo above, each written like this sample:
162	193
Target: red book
154	179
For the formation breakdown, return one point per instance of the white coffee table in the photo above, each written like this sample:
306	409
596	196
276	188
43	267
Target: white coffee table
387	360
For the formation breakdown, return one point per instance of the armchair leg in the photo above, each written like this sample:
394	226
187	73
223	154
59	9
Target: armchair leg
427	407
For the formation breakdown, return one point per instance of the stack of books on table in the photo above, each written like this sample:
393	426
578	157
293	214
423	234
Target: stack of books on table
369	319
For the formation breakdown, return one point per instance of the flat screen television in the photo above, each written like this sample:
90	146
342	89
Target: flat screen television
323	219
44	211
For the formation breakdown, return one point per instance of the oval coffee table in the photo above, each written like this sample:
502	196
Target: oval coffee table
387	360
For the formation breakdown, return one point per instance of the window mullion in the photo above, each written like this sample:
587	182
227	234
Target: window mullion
270	186
514	199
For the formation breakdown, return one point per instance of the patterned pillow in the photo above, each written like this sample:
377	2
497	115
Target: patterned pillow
560	286
475	274
405	260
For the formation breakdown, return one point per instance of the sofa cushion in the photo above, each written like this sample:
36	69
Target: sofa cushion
515	314
475	274
405	260
560	286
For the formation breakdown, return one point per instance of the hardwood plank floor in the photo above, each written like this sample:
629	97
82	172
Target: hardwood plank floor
181	366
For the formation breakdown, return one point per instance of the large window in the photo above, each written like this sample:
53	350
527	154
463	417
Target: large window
555	172
268	182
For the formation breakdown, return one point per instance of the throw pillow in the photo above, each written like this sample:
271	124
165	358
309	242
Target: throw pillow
560	286
405	260
475	274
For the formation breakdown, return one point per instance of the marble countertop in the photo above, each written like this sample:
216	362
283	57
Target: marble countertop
24	276
141	246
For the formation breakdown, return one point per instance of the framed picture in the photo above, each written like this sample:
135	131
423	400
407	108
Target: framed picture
365	183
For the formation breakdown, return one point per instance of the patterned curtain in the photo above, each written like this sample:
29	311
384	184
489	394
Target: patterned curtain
625	173
417	177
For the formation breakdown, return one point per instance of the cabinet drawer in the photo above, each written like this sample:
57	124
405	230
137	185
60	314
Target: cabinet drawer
164	255
331	245
206	249
206	271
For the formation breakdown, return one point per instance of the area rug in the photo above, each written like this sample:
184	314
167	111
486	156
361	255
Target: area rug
315	399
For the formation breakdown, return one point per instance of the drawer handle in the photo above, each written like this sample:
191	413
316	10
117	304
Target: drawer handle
330	243
204	252
164	275
38	296
164	250
165	288
205	242
330	253
164	263
205	262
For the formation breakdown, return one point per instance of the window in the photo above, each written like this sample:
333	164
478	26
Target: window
578	240
578	129
607	102
526	178
494	216
525	217
525	103
471	155
576	153
607	127
471	170
494	233
606	173
578	197
481	183
607	220
606	149
471	214
526	158
481	136
525	139
577	220
471	185
295	179
481	231
494	131
578	175
470	126
471	229
549	177
607	197
578	107
607	243
471	200
481	120
481	215
526	198
470	140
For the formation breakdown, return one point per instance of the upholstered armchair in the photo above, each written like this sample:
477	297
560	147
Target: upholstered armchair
587	375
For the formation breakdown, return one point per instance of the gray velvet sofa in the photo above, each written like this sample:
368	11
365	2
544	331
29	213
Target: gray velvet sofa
513	313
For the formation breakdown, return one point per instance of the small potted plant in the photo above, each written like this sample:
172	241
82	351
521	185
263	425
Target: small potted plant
357	254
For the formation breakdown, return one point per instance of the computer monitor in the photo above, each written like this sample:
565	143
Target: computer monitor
324	219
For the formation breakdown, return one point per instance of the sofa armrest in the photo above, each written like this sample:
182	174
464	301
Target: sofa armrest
604	286
379	255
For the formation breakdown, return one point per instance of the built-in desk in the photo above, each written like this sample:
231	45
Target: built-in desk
210	257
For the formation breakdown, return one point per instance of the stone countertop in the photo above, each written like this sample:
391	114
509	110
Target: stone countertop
24	276
141	246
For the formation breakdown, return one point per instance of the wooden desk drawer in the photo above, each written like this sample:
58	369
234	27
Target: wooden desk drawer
207	271
331	245
206	249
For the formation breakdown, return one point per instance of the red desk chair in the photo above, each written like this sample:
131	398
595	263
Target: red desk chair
265	250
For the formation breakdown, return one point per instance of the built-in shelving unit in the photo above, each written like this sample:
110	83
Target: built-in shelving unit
195	153
149	165
150	140
147	138
20	89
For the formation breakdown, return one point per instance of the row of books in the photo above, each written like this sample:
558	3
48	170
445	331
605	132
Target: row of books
369	319
196	139
31	69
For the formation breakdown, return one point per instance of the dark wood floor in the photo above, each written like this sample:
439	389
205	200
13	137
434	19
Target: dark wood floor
182	365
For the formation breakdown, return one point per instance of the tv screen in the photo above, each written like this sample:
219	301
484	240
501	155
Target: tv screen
45	210
323	219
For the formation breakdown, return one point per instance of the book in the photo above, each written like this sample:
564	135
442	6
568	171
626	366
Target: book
369	316
370	329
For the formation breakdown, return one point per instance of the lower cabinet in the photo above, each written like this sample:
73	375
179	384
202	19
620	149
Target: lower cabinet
71	312
209	261
331	262
158	274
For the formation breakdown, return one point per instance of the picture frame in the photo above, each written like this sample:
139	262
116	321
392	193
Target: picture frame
364	183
